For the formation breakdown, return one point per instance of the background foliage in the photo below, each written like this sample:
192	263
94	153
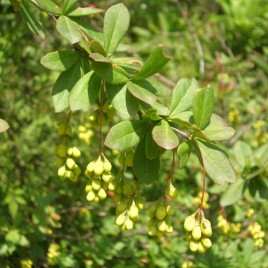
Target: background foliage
47	221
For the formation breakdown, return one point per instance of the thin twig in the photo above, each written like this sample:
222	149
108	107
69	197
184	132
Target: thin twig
165	80
203	182
230	54
38	6
239	133
73	238
243	130
184	134
195	37
101	115
74	209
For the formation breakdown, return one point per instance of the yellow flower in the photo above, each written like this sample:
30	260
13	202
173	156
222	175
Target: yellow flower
250	212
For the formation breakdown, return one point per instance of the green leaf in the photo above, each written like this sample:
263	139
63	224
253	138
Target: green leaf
160	108
182	96
62	87
243	154
96	47
257	258
233	193
20	200
151	115
164	136
85	64
13	236
183	120
203	103
155	88
141	93
97	57
84	45
69	29
4	126
155	62
49	6
116	23
69	6
90	32
128	62
216	163
184	152
152	150
159	88
13	208
110	73
146	170
85	11
261	154
125	135
85	92
24	242
60	60
34	25
217	130
126	105
258	190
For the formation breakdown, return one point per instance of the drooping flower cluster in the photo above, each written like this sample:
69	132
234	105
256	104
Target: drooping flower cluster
198	230
99	174
66	156
257	234
160	212
228	227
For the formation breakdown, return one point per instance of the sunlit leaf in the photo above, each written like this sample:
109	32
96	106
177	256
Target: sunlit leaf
164	136
69	29
203	103
125	135
116	23
216	162
145	169
60	60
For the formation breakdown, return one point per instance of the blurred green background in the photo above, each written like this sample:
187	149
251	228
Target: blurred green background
47	222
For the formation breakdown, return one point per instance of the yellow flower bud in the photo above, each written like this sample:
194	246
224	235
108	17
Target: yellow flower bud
193	245
161	212
189	223
196	233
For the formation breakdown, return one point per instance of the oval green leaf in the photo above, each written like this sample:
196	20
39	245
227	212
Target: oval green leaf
69	29
110	73
116	23
85	11
145	169
85	92
164	136
141	93
217	130
152	150
125	135
60	60
184	152
182	96
203	103
125	103
63	86
233	193
155	62
216	163
49	6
